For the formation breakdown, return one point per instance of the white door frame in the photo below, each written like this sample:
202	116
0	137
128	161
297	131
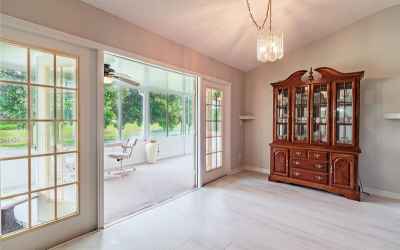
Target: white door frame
204	176
34	28
100	138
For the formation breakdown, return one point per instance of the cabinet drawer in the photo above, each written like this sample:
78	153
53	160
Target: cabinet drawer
311	176
298	154
318	155
310	165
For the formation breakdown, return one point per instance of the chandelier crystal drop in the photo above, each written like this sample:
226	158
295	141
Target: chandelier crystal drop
269	44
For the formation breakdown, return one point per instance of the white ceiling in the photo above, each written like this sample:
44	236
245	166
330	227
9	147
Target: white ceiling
222	29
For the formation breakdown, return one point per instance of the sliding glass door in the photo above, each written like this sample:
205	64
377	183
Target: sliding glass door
149	135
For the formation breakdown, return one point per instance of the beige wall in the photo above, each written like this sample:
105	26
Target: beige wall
77	18
371	44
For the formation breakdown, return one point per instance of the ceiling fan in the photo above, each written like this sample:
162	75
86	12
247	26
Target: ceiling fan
110	74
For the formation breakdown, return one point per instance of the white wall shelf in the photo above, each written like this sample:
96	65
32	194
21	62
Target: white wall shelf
392	116
246	117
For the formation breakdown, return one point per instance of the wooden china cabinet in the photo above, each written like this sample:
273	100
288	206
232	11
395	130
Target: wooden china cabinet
316	131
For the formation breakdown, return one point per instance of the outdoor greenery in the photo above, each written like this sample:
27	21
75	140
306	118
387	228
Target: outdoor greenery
13	135
130	102
13	100
13	97
166	113
13	106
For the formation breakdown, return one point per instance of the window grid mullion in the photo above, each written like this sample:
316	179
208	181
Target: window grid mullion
56	134
29	141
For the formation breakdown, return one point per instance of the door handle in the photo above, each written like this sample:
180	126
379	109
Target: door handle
319	166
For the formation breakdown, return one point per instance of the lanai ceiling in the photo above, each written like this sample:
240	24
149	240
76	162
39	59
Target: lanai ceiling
222	29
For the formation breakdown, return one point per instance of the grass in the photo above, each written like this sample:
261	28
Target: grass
68	136
110	133
130	129
13	137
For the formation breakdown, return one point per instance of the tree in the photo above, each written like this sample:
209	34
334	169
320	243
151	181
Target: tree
158	107
110	105
166	110
132	106
175	112
13	97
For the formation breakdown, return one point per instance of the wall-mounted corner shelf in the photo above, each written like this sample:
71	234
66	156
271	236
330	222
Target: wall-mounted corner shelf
246	117
392	116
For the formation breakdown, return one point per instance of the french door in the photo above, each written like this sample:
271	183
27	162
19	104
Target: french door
48	172
213	133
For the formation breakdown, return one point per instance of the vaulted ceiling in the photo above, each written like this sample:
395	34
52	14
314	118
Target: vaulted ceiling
222	29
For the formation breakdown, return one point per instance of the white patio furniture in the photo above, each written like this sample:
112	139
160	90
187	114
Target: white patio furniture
125	154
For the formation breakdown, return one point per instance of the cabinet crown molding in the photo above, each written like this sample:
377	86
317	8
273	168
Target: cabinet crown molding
326	73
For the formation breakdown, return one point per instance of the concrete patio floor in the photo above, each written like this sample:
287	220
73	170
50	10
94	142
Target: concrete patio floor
148	185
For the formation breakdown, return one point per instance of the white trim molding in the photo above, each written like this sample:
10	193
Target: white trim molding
382	193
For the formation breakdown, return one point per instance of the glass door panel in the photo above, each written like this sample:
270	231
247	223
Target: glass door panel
282	114
214	140
301	114
344	113
320	114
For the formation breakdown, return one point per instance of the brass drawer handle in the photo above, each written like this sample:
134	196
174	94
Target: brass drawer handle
298	153
296	174
297	163
317	155
319	166
318	178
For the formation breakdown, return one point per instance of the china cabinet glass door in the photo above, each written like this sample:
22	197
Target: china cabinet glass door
300	134
282	114
320	114
344	113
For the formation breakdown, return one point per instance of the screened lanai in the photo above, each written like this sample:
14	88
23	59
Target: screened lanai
149	121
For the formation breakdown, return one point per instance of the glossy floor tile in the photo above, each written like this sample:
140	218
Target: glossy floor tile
246	212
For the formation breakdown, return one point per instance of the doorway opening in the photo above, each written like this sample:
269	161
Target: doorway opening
149	135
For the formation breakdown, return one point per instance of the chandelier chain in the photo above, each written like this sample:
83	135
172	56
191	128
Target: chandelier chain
268	14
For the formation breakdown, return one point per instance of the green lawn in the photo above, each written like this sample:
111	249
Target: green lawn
130	129
13	136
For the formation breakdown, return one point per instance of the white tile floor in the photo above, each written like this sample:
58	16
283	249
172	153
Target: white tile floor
245	211
148	185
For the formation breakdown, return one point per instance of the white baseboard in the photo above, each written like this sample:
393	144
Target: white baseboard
255	169
383	193
235	171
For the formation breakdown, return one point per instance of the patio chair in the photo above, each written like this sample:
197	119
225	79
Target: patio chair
126	154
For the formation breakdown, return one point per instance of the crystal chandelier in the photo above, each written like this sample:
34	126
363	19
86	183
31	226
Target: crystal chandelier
269	44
